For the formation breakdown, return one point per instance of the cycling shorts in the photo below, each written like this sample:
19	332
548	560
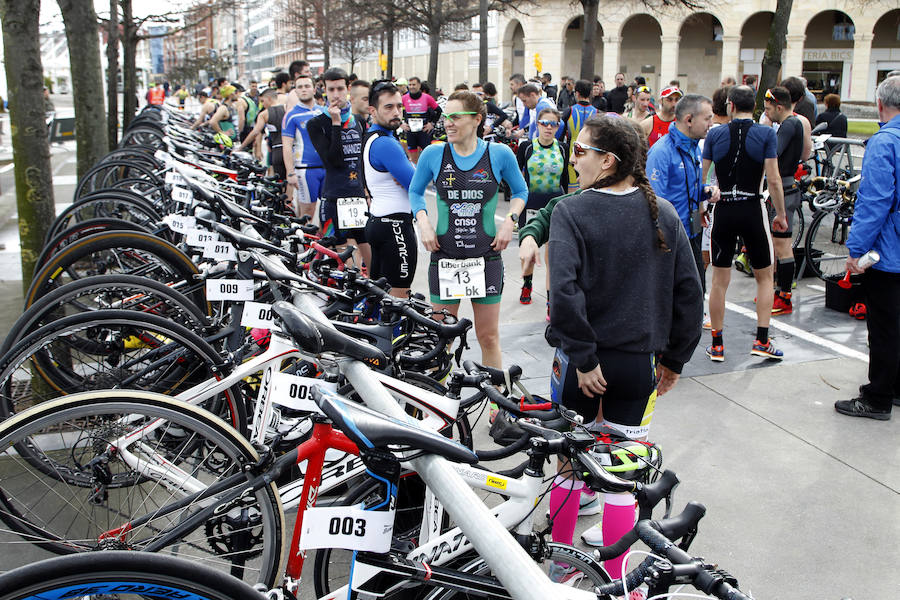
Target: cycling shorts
278	164
630	396
394	248
419	139
746	219
311	180
536	201
793	199
328	218
493	282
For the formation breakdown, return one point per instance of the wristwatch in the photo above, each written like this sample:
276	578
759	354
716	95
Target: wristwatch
514	216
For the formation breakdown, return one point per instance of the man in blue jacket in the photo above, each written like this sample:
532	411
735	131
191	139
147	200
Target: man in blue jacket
674	169
876	226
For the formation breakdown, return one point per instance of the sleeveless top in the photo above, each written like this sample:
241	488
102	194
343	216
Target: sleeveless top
660	128
467	202
388	197
273	125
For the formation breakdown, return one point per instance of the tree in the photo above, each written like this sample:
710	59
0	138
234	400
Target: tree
354	39
112	75
92	142
771	63
31	148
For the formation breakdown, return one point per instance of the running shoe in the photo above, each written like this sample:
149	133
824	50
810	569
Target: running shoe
716	353
525	296
782	304
766	350
593	536
566	575
707	322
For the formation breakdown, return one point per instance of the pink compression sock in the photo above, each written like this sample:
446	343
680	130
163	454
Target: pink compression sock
564	499
618	519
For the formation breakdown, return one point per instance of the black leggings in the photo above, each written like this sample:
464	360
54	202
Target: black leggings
394	251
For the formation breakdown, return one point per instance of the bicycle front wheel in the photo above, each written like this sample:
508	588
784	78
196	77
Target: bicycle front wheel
117	470
826	244
124	576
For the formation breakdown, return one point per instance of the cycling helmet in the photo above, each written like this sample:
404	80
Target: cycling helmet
223	140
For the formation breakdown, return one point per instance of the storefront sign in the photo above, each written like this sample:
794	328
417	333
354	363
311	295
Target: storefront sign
832	54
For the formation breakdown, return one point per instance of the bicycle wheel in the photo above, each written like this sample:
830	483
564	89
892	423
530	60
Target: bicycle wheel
82	229
108	292
126	252
104	174
331	568
112	349
121	575
589	573
799	227
107	204
826	243
120	470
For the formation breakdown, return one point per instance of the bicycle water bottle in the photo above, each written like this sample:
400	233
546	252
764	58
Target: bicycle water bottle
868	259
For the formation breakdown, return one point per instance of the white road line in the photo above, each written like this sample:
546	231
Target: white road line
7	168
818	288
803	335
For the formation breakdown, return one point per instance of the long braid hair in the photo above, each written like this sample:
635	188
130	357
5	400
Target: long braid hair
619	136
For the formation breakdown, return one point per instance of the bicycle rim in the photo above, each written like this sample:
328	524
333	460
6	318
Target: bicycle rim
118	470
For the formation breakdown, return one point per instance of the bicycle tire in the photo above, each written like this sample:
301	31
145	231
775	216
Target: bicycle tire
826	248
799	227
132	252
102	174
128	575
95	498
82	229
143	135
112	349
107	292
115	204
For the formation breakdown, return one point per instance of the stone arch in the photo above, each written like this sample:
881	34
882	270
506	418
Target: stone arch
641	48
885	41
514	47
828	52
573	34
700	53
754	38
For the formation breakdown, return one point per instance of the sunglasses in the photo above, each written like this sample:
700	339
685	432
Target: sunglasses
456	116
384	85
548	123
771	96
580	150
643	89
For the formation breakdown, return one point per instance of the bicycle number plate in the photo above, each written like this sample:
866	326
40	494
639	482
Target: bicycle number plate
174	178
416	125
461	278
162	155
351	212
199	237
229	289
351	528
259	315
180	224
293	391
182	195
219	251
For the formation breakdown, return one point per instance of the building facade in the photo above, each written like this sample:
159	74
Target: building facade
840	46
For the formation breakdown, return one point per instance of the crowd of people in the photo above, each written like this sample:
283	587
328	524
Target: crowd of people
634	195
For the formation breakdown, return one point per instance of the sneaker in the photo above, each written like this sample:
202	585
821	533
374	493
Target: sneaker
742	264
766	350
525	296
593	536
716	353
860	408
592	506
782	304
707	322
566	575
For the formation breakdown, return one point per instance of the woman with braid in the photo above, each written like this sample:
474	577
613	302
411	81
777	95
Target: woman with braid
626	308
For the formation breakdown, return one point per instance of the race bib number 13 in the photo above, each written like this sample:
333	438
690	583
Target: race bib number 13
351	212
461	278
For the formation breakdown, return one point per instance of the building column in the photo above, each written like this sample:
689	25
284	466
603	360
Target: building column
731	57
859	69
551	52
668	67
612	46
792	62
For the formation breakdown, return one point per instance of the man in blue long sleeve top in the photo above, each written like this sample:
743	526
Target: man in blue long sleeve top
876	226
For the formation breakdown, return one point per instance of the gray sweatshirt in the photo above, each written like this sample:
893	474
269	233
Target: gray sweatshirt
612	288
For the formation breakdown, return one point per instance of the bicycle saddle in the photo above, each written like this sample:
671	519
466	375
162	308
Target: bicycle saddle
370	429
316	338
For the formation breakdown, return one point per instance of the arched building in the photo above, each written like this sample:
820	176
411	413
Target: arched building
838	45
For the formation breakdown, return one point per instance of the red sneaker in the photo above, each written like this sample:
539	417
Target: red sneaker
525	296
858	311
782	304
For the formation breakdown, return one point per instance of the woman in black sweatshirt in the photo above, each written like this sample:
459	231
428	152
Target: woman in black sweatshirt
627	304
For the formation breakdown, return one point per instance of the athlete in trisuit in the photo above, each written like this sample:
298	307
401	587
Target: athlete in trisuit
269	120
388	174
422	112
305	171
466	244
